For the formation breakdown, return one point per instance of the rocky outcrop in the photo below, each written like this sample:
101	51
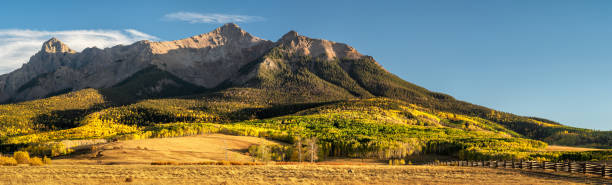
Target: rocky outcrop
55	46
205	60
294	43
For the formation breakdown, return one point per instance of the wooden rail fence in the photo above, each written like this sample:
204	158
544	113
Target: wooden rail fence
593	168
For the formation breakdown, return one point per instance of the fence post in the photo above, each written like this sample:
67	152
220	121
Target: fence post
584	168
530	163
569	167
603	170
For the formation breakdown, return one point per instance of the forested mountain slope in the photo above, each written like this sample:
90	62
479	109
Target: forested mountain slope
292	89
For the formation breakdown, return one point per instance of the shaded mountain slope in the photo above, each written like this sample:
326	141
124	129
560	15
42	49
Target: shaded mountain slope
149	83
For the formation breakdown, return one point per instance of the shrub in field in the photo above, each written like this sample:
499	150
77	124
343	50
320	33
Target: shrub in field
7	161
164	163
207	163
36	161
48	149
46	160
22	157
397	162
253	163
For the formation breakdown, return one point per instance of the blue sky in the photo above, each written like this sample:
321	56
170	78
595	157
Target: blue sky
540	58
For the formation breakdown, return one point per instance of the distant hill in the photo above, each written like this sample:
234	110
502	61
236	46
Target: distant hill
228	81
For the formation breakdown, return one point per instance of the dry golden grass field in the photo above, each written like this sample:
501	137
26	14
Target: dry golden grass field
131	165
569	148
211	147
266	174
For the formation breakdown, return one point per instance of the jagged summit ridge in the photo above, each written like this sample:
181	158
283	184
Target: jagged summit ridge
221	36
211	58
54	45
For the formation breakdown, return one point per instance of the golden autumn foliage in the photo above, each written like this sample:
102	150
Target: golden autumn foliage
7	161
36	161
22	157
374	128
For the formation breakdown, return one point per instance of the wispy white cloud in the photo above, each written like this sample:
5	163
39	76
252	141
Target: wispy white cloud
17	45
194	18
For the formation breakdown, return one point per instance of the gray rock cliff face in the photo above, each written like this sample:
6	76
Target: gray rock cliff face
205	60
209	59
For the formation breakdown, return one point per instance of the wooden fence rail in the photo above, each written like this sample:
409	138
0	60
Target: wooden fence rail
593	168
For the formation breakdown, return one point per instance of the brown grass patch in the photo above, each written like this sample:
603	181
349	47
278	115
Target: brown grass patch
223	163
554	148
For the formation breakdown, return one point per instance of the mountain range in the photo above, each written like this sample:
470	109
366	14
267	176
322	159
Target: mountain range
206	60
228	76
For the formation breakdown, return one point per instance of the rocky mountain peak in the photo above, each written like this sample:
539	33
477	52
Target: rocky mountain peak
230	26
292	42
54	45
230	29
289	36
228	33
